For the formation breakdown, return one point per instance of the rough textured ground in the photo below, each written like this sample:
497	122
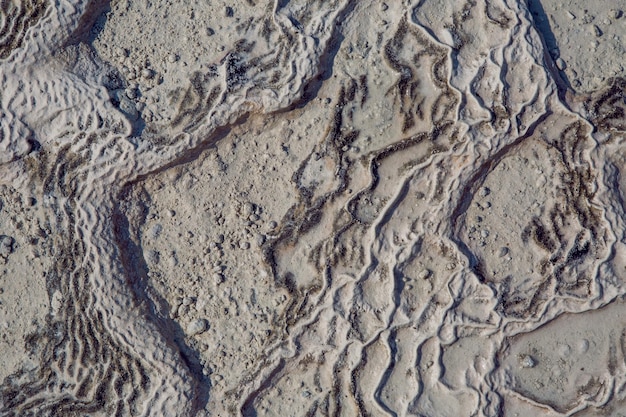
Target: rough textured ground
307	207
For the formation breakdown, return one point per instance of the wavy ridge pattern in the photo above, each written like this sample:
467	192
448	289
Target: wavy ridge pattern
106	354
398	304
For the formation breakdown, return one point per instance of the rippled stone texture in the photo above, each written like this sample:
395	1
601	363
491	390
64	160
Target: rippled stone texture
308	208
16	17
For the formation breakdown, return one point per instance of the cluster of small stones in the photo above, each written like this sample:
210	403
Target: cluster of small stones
478	231
253	228
597	27
156	62
220	235
186	307
612	16
209	266
141	78
19	215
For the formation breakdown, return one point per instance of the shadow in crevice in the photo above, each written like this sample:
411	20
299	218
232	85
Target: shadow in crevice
327	59
91	24
158	309
542	24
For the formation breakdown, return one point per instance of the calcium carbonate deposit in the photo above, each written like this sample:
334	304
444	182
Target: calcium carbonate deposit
312	208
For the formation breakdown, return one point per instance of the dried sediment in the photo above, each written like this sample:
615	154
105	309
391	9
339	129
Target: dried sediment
296	214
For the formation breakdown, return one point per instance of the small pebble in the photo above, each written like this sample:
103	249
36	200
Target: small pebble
560	64
447	334
147	73
229	11
503	251
183	310
131	93
245	245
197	326
7	245
527	361
153	257
583	346
484	191
248	209
425	274
484	233
218	278
171	58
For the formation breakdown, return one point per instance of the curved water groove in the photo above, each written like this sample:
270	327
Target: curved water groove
427	201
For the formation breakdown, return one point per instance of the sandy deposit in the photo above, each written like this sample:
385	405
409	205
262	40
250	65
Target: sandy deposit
312	208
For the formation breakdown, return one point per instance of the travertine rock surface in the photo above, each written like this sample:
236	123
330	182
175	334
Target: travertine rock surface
307	207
